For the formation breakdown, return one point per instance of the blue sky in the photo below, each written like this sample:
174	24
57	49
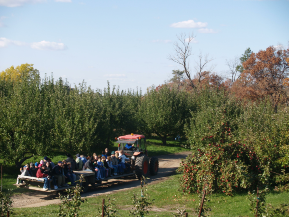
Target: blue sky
128	42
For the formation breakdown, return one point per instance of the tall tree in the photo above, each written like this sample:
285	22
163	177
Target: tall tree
263	76
19	72
243	59
164	112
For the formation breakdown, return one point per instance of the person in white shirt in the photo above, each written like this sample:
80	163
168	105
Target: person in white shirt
123	158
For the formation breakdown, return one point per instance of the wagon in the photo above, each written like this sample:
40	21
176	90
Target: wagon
141	165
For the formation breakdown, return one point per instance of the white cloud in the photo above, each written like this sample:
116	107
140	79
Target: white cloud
189	24
47	45
161	41
4	42
17	3
206	30
42	45
193	40
63	1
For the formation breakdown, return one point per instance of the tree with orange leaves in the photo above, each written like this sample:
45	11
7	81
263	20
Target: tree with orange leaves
265	74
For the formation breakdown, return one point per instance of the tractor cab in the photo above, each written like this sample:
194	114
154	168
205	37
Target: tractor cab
134	147
132	144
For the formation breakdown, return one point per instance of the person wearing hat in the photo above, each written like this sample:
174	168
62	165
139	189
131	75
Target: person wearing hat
58	172
47	159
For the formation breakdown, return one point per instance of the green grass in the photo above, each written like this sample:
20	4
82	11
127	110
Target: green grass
166	197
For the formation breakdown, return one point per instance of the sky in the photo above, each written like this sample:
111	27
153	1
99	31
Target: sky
127	43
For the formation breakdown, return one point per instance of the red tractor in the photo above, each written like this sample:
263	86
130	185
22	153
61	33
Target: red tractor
134	147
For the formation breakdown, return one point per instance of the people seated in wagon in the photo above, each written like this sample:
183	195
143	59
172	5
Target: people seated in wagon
114	163
58	173
109	163
101	167
105	165
79	163
70	160
47	159
42	173
123	158
24	171
69	174
107	152
33	170
120	167
96	169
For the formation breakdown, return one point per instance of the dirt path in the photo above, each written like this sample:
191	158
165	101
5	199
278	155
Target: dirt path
167	165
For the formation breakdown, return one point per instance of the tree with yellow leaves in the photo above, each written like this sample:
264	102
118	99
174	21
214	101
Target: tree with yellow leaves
19	72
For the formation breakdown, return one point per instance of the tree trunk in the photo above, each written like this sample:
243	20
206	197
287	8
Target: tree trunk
164	139
19	163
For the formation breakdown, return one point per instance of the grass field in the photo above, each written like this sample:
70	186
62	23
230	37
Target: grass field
167	199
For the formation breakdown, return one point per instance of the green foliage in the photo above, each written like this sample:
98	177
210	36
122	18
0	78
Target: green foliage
109	209
259	207
40	118
243	59
71	202
235	145
5	203
283	181
164	111
258	202
141	205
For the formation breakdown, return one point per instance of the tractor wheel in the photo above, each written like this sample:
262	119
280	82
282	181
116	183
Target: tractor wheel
154	166
142	166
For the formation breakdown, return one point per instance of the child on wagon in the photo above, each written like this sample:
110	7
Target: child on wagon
101	167
109	163
123	158
107	171
119	165
96	169
24	171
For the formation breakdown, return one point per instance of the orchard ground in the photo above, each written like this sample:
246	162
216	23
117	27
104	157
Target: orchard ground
163	188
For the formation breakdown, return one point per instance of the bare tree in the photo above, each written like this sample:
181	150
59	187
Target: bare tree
201	65
183	51
233	68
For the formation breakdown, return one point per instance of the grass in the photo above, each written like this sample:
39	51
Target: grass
167	199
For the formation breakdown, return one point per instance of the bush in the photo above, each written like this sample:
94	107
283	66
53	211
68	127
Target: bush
235	146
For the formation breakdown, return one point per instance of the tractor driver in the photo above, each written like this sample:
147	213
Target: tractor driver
129	146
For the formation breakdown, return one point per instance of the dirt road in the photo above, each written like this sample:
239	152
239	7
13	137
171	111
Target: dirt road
167	165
